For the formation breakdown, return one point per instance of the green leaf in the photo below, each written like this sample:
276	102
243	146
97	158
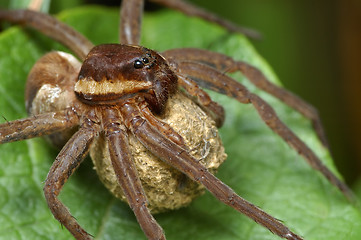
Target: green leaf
260	167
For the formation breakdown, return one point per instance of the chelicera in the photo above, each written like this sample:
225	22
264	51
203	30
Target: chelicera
122	90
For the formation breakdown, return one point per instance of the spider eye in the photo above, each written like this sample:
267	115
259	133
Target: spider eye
145	60
138	64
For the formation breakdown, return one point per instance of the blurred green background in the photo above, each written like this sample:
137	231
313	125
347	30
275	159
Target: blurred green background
315	49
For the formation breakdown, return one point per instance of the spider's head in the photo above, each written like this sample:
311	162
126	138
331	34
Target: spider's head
114	72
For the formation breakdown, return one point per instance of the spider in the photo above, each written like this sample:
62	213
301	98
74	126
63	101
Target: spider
121	90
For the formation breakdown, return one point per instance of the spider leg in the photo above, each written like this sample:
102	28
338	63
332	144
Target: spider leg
179	157
63	167
51	27
38	125
213	109
209	77
128	179
225	63
192	10
162	127
131	13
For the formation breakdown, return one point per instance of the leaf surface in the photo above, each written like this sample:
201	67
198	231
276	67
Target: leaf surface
260	167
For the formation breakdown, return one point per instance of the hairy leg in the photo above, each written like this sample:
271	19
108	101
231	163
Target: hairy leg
225	63
67	161
178	157
39	125
162	127
131	13
212	108
128	179
210	78
51	27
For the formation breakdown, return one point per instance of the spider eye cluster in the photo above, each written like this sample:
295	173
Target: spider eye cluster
141	62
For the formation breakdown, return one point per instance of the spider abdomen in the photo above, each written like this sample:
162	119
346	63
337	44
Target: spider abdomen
165	187
50	88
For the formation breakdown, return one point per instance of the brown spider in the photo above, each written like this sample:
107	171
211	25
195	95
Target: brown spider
121	90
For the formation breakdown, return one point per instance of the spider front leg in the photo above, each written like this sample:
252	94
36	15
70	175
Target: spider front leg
212	79
36	126
131	12
212	108
63	167
178	157
51	27
126	172
227	64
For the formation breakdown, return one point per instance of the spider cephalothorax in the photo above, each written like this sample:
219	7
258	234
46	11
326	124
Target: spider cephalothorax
113	72
123	95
